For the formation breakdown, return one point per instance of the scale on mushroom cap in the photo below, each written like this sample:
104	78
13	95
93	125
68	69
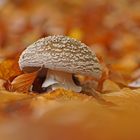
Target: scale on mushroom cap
62	56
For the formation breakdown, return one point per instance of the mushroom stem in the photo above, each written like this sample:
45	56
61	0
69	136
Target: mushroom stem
58	79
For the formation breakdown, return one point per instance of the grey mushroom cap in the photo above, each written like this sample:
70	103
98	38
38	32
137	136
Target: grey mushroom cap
61	53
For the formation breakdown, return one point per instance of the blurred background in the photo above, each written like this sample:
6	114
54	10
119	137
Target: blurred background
109	26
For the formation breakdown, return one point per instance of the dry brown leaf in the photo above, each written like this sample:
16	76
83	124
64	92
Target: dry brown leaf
125	96
104	76
110	86
136	74
9	69
6	96
23	82
2	84
110	75
117	77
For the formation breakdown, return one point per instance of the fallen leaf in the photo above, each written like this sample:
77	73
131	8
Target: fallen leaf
124	97
7	97
105	75
2	82
23	82
136	74
110	86
117	77
9	69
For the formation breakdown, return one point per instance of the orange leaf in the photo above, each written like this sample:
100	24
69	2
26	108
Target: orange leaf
2	83
110	86
117	77
136	74
105	75
9	68
111	74
23	82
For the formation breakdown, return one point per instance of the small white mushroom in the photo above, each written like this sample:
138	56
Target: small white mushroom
62	56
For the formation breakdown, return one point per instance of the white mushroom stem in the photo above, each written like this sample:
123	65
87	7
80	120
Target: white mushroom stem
59	79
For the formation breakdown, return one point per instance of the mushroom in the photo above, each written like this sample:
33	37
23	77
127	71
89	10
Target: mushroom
62	57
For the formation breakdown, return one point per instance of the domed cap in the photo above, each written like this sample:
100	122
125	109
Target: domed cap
61	53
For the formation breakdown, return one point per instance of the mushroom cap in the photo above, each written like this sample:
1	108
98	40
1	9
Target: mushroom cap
61	53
